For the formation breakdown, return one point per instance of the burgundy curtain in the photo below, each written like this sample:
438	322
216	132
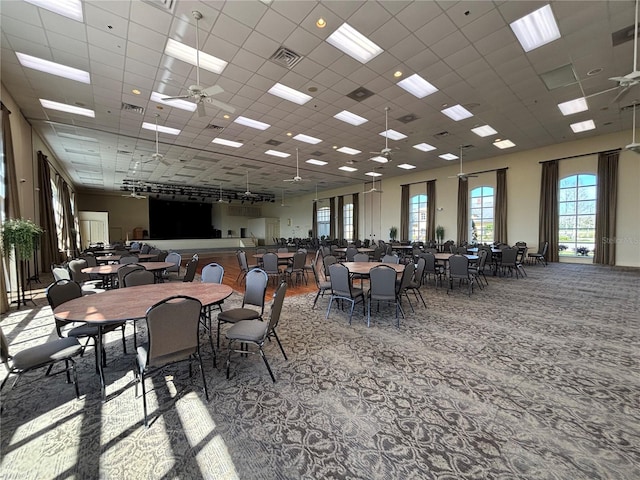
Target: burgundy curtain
463	211
404	213
500	209
548	224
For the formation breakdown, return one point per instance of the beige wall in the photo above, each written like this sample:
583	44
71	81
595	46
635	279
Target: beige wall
125	214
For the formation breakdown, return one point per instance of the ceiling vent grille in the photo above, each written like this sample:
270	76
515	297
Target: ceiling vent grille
285	57
442	134
166	5
273	142
408	118
360	94
132	108
212	126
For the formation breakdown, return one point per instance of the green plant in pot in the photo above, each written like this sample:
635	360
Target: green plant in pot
393	233
19	234
440	233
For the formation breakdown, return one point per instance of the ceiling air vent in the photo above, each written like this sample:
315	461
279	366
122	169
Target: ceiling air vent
442	134
360	94
124	152
274	143
211	126
166	5
407	118
285	57
132	108
623	36
317	154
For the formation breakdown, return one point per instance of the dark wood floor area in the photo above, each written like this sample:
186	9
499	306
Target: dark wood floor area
231	270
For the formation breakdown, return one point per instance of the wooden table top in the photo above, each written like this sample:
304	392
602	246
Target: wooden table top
363	268
281	255
132	303
113	268
360	250
445	257
116	258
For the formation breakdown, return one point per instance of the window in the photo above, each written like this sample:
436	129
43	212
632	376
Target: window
418	218
324	221
481	215
577	214
58	214
347	212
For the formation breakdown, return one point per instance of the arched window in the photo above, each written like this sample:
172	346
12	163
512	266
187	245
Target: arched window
481	215
324	220
418	218
347	215
577	214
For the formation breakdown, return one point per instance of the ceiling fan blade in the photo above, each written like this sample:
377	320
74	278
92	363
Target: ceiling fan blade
178	97
201	110
289	180
221	105
623	93
212	90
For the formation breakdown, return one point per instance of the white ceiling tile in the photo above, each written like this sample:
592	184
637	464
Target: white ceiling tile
275	26
434	31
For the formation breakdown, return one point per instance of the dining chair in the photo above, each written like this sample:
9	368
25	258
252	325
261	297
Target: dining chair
296	268
75	268
508	263
459	270
350	253
343	290
176	259
322	285
62	291
211	273
431	267
190	270
125	269
44	355
128	259
415	283
327	261
256	332
307	266
540	256
390	258
382	288
402	285
241	255
254	293
271	266
134	278
477	270
172	336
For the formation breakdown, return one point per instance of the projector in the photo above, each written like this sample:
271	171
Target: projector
634	147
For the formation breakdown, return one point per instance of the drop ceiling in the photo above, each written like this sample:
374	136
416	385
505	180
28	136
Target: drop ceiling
466	49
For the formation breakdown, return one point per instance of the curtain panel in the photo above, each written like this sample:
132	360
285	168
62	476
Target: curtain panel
500	226
606	208
431	210
340	229
356	216
404	213
49	252
314	219
69	232
463	211
548	224
332	217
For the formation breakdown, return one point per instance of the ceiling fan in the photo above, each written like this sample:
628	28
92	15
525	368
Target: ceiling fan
134	194
373	188
282	204
158	156
315	199
220	199
247	193
197	92
384	155
630	80
462	176
634	146
297	178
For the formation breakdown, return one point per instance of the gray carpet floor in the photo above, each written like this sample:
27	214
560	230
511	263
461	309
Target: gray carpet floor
534	378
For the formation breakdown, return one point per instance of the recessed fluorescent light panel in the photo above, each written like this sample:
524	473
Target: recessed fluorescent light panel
457	113
347	169
78	137
161	128
53	68
247	122
68	8
583	126
406	166
307	139
63	107
354	44
536	29
502	144
373	174
227	143
313	161
290	94
188	54
393	135
448	156
484	131
379	159
417	86
181	104
351	118
276	153
425	147
573	106
348	150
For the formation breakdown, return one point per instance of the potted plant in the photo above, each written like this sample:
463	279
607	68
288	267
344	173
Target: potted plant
21	235
582	251
440	233
393	233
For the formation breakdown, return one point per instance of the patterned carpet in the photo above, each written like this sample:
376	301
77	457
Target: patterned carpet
535	378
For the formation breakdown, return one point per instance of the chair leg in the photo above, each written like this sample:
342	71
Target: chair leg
144	399
124	341
75	376
264	358
279	344
229	358
204	380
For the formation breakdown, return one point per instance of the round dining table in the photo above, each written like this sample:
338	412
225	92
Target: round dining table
281	255
360	250
132	303
110	270
143	257
363	268
444	257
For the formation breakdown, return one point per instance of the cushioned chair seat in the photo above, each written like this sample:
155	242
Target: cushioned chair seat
237	314
47	353
248	331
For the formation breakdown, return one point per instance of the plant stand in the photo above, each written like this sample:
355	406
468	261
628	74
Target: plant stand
21	291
